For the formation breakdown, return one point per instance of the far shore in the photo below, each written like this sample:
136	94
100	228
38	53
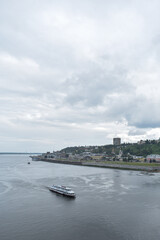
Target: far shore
148	167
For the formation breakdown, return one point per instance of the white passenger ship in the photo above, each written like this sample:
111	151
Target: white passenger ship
63	190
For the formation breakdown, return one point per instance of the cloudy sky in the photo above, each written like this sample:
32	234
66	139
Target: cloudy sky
78	73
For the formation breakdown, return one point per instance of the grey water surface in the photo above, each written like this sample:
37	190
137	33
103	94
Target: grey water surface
110	204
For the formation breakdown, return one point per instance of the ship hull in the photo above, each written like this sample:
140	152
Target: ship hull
62	193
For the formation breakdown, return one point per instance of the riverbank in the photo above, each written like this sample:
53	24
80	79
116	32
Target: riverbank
148	167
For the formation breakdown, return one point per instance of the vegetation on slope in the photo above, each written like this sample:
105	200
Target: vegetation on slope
148	147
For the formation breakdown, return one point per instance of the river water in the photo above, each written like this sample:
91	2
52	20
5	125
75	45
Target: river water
110	204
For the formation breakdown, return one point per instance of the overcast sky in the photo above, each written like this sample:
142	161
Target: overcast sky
78	73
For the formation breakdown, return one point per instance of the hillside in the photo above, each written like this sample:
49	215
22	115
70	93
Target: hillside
148	147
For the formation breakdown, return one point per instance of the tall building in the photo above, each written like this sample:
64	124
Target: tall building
116	141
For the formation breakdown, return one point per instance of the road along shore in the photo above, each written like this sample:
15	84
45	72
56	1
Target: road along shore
124	166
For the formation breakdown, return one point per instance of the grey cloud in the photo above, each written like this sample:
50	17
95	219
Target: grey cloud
71	64
136	132
92	87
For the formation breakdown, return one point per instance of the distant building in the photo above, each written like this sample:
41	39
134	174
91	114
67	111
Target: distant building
113	151
141	142
153	157
116	141
120	153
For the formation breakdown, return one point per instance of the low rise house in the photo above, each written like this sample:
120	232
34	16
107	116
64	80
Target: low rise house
153	158
138	158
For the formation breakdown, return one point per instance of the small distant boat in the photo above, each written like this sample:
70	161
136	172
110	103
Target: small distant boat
66	191
28	162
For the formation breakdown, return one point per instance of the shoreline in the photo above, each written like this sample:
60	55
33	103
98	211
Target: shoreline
120	166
